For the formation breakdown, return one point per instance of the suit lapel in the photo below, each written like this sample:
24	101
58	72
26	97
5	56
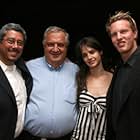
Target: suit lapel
6	85
26	75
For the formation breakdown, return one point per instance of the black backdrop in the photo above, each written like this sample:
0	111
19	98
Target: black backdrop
87	17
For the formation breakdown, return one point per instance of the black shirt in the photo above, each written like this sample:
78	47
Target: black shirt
123	71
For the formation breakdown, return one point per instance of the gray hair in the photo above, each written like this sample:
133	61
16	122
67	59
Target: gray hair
12	26
55	29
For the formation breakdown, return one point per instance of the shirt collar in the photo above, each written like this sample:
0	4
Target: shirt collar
51	68
7	67
132	59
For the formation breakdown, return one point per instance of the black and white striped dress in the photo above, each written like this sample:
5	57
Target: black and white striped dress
91	122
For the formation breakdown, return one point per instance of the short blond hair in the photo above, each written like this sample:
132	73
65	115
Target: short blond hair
121	15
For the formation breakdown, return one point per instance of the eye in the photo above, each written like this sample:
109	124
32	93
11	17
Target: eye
113	34
20	43
92	52
84	55
13	41
61	45
50	44
124	31
10	41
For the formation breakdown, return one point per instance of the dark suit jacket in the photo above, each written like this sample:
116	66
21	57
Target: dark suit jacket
8	108
127	118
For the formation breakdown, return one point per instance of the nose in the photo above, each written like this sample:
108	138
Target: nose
55	48
119	35
15	45
89	56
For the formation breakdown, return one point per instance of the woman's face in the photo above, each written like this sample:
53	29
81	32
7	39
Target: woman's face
91	56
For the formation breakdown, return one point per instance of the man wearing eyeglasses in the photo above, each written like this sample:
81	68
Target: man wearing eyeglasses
16	81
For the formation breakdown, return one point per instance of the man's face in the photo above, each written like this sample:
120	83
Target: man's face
11	47
123	37
55	48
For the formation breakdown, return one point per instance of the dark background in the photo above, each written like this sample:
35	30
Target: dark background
79	18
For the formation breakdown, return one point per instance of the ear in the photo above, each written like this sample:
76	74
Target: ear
136	35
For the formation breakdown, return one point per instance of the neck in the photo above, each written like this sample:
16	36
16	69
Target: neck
96	72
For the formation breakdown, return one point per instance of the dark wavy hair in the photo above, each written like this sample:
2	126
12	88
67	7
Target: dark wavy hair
84	69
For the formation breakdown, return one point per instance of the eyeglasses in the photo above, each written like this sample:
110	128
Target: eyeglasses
12	41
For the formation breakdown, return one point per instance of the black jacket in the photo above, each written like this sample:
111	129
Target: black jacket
8	107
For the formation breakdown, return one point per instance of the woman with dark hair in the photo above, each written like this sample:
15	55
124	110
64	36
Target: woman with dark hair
93	82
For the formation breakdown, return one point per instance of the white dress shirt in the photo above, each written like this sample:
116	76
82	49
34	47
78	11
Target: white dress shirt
18	85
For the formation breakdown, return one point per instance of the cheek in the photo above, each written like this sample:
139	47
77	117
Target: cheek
131	38
114	43
46	50
20	49
85	59
113	40
64	51
99	58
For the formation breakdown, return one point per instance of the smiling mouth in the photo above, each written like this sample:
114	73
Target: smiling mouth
91	62
121	44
